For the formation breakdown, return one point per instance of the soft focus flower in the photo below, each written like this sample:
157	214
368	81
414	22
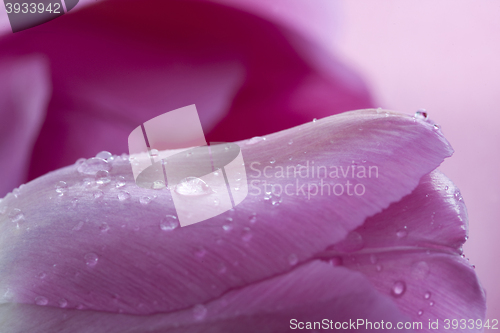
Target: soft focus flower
90	77
93	252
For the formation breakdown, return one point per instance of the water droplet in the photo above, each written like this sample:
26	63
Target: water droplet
78	226
290	142
229	219
61	187
335	261
427	295
379	110
158	185
222	269
145	200
398	288
252	218
315	120
42	275
93	165
16	192
272	161
120	182
169	223
16	215
431	303
104	227
216	201
378	268
255	140
373	259
421	114
420	312
227	227
91	259
192	186
353	242
201	252
40	300
98	194
153	152
105	155
293	259
199	312
436	127
247	235
402	233
102	177
63	303
80	161
123	195
420	270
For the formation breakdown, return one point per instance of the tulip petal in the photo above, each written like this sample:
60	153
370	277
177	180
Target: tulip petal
315	292
24	94
103	247
413	249
246	75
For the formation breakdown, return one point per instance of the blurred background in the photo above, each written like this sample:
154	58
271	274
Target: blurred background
441	56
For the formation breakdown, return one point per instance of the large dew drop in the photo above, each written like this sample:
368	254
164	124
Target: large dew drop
105	155
192	186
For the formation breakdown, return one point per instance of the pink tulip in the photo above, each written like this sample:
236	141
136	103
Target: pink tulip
93	252
103	255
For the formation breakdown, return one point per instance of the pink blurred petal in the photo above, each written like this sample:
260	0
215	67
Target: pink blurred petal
24	94
417	242
314	292
120	63
98	248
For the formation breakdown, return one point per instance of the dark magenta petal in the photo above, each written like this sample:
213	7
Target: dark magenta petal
314	292
120	63
110	246
412	251
24	95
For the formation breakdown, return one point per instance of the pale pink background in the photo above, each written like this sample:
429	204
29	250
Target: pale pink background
443	56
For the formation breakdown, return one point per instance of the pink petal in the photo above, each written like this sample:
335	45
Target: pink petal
120	63
314	292
416	243
24	94
99	252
